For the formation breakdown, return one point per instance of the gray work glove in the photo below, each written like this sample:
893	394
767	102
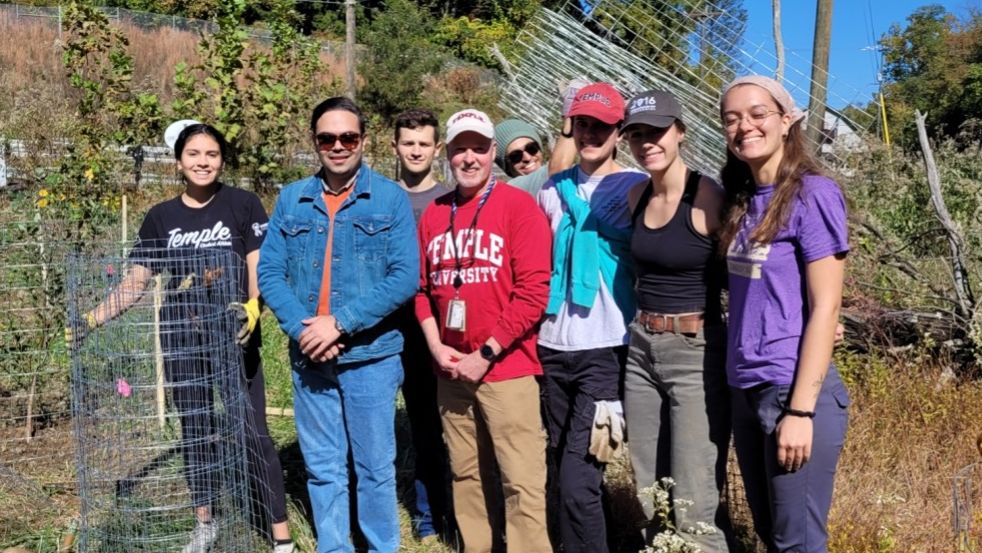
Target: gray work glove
607	433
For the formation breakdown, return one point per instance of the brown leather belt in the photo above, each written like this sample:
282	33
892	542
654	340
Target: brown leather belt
656	323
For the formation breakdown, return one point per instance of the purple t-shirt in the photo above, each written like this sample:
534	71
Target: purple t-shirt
767	288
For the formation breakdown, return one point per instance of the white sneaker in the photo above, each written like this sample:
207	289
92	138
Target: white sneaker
202	538
284	548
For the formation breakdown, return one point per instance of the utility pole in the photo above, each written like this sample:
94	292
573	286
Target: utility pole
820	72
349	48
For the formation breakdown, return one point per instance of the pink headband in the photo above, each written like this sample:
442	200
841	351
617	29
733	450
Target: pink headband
774	88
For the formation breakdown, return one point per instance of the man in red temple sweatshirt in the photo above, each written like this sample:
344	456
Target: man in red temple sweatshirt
484	281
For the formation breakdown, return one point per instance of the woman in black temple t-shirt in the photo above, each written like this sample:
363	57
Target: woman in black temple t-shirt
207	214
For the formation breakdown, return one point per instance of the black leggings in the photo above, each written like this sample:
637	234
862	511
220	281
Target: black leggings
188	368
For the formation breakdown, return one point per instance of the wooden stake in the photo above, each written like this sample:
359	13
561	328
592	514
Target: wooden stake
158	351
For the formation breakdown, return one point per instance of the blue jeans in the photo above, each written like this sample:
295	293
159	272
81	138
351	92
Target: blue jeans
790	509
354	409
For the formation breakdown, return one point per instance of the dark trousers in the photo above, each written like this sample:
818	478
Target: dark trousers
431	465
264	459
573	381
189	366
790	509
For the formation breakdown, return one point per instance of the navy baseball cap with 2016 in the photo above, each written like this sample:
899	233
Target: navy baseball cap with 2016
657	108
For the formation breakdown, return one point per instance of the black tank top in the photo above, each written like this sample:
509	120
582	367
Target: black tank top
677	268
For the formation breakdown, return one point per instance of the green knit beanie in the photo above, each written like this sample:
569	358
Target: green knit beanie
509	130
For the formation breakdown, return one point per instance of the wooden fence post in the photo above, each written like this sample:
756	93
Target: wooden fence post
158	351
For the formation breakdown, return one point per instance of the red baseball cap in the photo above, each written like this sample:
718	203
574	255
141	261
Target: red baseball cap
599	100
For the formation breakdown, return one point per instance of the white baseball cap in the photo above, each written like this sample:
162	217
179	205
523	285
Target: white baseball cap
174	130
469	120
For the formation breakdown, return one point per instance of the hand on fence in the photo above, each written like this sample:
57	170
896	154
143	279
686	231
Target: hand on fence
568	90
77	330
248	314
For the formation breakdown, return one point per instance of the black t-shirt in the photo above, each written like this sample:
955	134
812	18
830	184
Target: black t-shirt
172	232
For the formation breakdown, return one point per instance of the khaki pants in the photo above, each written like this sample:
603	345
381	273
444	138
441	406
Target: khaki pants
488	423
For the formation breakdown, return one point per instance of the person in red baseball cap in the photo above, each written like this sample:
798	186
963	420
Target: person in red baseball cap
582	340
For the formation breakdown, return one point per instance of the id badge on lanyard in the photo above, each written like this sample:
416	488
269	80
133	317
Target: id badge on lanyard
457	315
457	308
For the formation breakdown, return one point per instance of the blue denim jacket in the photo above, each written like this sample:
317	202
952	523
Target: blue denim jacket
374	266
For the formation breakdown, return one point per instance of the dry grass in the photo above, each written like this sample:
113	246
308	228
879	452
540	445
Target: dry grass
910	431
30	55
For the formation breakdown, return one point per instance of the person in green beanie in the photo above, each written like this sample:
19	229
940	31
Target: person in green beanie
519	152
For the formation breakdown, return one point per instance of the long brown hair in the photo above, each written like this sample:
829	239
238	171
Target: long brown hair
738	182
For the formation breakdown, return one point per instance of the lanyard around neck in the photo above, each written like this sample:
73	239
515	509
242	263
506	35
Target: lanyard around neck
458	281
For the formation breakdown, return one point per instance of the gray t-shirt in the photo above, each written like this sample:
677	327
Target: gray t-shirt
419	200
532	182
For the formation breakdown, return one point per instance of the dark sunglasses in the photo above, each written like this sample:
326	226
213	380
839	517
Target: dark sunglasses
532	148
349	140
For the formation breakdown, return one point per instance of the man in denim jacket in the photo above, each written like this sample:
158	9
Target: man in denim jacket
340	256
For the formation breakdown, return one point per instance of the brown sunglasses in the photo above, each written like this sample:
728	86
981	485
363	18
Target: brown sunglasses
326	141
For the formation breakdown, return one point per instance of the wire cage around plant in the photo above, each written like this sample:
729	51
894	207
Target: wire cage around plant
967	508
159	404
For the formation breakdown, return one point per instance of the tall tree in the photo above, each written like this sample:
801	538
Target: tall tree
399	58
934	64
778	39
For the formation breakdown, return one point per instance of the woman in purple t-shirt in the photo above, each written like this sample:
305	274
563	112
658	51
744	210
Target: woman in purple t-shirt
785	238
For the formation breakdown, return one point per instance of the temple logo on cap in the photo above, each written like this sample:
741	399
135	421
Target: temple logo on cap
595	97
469	114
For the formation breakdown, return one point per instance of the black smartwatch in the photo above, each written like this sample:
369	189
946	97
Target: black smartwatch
487	353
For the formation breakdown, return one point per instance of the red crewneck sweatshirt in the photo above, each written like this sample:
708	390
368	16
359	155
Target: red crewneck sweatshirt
505	266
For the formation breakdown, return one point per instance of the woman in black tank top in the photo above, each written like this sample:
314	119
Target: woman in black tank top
675	394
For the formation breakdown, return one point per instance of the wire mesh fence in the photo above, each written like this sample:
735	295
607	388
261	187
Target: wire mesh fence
35	445
634	49
967	508
160	409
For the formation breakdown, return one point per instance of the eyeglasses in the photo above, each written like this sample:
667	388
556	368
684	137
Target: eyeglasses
731	120
349	140
516	156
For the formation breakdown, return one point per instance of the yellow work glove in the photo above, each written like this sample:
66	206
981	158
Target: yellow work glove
76	331
248	314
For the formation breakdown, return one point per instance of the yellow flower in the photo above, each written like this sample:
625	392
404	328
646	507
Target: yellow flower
43	193
89	174
42	203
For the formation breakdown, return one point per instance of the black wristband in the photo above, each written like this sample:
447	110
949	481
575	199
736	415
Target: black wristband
799	413
565	134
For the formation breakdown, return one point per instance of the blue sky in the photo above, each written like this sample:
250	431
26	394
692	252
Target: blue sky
856	25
